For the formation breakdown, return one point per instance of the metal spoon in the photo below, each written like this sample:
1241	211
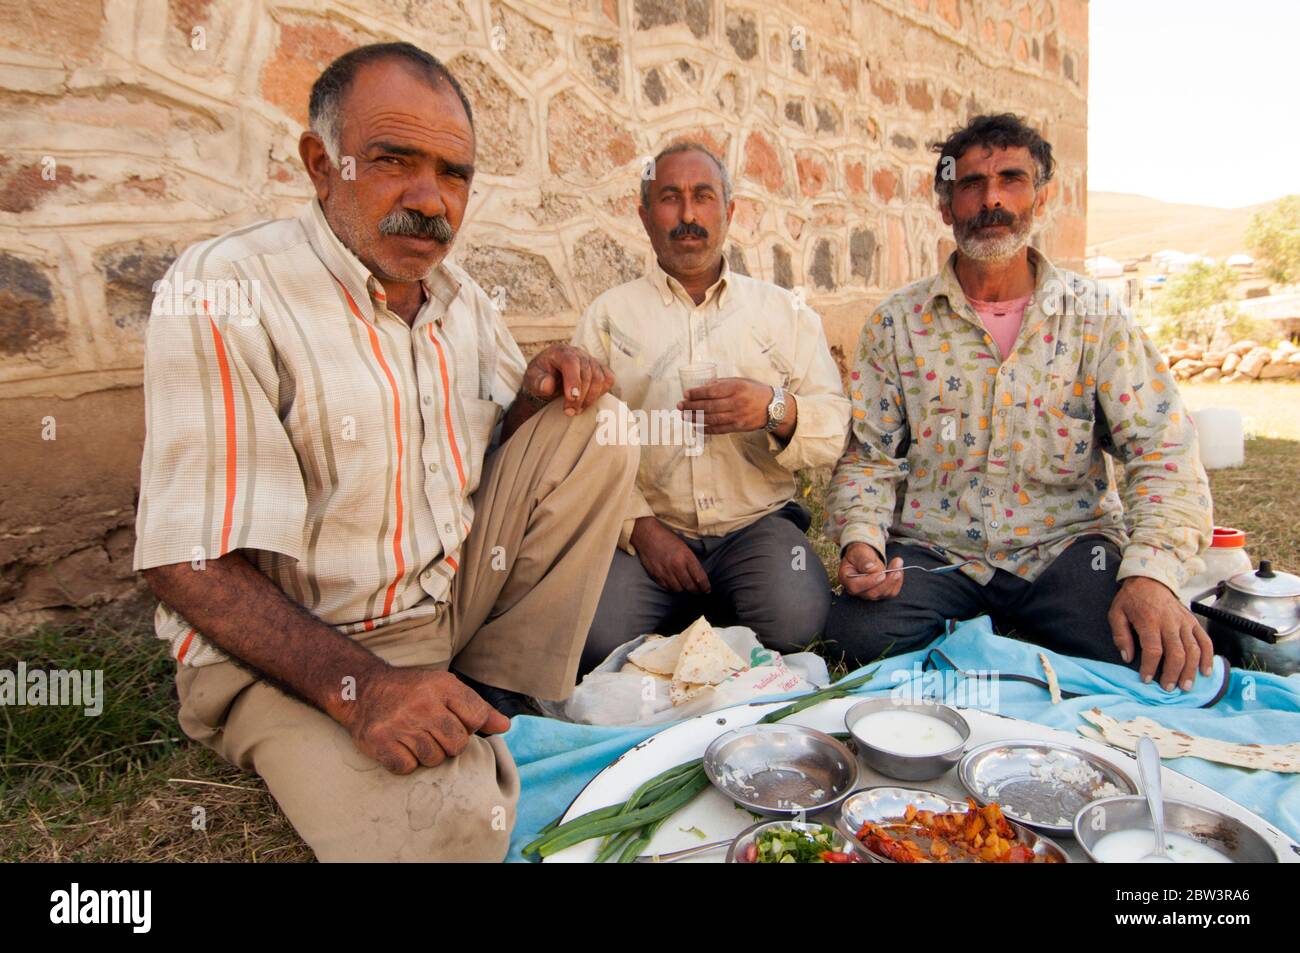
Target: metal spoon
938	570
1149	772
672	855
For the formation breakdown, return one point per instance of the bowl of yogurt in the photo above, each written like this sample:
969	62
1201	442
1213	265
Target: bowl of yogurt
1117	830
911	741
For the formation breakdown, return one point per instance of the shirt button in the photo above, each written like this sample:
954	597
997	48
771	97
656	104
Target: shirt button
433	468
428	399
446	527
426	574
993	524
1001	413
997	452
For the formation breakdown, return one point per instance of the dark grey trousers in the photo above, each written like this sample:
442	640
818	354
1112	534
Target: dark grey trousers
1064	609
765	576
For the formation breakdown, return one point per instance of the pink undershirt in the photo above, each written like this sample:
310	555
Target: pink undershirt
1002	319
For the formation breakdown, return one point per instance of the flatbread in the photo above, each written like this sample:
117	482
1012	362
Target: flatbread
1053	685
705	659
681	692
658	654
631	668
1177	744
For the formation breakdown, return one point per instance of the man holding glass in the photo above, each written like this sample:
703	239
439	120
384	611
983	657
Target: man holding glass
712	526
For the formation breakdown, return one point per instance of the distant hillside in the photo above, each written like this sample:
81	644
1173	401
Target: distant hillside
1130	226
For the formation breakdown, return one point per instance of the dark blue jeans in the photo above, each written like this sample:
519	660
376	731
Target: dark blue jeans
758	578
1064	609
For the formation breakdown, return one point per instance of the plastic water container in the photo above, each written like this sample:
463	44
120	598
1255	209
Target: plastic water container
1221	436
1223	558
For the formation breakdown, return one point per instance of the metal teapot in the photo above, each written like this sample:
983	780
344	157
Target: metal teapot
1255	619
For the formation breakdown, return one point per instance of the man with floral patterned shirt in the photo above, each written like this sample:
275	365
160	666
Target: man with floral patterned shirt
985	402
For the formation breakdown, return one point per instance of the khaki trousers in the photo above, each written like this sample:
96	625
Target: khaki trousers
547	519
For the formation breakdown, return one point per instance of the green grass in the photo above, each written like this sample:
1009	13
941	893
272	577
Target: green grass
124	786
1260	497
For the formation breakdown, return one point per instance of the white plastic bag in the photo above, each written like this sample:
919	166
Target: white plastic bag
607	696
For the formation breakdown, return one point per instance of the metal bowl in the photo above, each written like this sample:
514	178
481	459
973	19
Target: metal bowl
886	805
1004	771
908	767
781	770
1231	837
847	845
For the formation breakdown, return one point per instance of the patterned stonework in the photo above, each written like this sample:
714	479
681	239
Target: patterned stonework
135	127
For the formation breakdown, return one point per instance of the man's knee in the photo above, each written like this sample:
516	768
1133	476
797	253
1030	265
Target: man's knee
463	820
346	807
791	612
609	425
460	812
864	630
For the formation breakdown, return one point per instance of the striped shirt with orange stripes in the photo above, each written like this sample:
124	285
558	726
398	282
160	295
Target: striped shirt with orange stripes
299	420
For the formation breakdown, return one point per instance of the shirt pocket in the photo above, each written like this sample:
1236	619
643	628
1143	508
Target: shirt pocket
480	421
1060	450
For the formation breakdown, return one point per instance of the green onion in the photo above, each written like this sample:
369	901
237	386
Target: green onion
615	844
641	816
633	850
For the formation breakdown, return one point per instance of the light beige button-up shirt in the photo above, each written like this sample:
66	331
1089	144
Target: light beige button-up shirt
296	417
1003	458
645	330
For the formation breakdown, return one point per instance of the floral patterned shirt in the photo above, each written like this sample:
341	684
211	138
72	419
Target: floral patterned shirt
1008	460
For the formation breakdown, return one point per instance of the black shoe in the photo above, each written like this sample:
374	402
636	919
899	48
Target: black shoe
507	702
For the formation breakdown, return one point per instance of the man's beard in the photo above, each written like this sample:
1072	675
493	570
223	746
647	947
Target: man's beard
994	247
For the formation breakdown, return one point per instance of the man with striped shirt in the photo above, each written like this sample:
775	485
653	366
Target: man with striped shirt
352	484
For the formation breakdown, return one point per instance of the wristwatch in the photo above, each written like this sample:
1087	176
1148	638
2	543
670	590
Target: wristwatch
776	409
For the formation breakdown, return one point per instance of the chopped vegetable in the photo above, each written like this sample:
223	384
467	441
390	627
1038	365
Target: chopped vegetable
817	846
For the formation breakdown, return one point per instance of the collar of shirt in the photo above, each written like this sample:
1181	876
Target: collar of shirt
365	290
1050	287
669	287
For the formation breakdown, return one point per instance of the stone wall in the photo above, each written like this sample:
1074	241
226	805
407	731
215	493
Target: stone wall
133	127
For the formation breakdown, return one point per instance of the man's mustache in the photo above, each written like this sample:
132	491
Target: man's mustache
689	230
991	216
408	222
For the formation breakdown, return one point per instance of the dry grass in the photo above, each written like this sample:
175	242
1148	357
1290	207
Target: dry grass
125	786
1268	408
1260	496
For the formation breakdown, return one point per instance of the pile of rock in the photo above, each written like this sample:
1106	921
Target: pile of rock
1243	361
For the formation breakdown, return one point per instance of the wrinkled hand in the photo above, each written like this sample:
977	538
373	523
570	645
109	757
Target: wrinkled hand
570	371
1165	629
862	573
730	404
667	559
408	717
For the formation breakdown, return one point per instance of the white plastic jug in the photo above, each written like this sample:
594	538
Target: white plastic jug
1222	559
1221	436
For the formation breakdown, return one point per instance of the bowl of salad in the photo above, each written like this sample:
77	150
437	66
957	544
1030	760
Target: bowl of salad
794	842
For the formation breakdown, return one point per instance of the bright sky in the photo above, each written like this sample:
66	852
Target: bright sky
1194	101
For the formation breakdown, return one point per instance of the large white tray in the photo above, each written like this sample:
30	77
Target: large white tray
716	817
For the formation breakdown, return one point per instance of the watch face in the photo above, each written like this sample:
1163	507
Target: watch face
776	412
